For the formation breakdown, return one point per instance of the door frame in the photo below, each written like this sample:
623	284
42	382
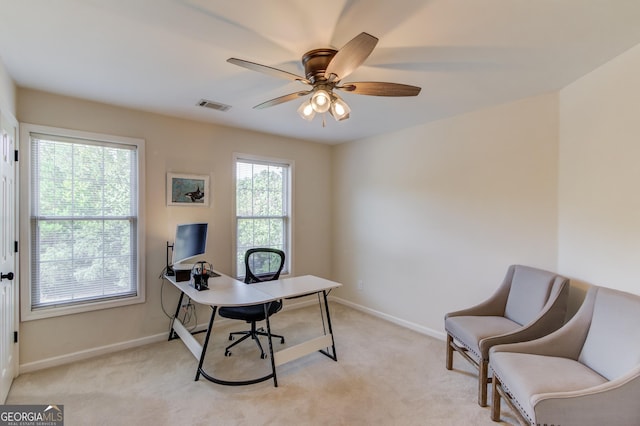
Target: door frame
10	123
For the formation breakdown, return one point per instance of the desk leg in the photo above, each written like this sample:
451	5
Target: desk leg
172	334
209	377
206	341
273	362
333	356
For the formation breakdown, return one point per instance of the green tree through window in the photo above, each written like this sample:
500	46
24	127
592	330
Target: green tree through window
84	221
262	207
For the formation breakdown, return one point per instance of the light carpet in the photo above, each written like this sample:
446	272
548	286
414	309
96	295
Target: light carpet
385	375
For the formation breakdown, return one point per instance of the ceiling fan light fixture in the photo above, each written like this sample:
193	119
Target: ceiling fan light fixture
321	101
339	109
306	110
324	71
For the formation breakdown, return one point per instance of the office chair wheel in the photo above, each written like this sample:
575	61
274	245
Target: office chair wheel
230	337
282	341
263	356
227	353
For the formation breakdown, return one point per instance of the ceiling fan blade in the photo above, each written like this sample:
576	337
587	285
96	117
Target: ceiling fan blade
351	56
378	88
274	72
282	99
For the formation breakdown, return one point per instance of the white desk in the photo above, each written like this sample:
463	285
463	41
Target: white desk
226	291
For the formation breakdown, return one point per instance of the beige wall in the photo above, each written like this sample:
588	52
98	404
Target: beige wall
430	217
180	146
7	91
599	209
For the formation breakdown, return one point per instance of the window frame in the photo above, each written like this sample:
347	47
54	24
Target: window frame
26	311
289	218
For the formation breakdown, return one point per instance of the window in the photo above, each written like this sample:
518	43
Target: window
263	217
85	230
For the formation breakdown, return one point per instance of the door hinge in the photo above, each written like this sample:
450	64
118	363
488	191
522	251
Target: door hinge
15	246
16	155
15	337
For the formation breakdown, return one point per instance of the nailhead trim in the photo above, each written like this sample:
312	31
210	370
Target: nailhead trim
463	344
514	400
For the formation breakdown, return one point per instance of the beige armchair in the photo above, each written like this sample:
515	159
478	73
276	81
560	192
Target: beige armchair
529	304
587	373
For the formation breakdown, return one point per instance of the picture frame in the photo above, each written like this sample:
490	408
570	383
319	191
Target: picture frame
187	190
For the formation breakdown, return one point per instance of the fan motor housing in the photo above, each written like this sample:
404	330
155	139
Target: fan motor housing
315	63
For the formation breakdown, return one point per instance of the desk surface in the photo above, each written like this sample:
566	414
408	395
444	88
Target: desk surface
227	291
296	286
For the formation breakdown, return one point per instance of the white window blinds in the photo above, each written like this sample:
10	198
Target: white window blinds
83	221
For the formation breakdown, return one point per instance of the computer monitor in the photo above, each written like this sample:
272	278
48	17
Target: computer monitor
190	241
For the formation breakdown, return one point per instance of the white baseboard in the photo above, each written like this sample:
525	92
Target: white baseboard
89	353
129	344
403	323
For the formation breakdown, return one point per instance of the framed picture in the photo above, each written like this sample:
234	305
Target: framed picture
187	190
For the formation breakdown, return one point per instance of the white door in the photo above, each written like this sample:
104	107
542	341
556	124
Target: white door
8	257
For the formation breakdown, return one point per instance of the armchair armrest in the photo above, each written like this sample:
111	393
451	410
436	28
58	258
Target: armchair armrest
613	402
548	320
565	342
494	305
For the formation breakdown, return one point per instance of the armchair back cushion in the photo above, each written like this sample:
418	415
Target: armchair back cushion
613	330
528	295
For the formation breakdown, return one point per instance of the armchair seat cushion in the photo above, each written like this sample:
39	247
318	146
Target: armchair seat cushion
470	330
530	375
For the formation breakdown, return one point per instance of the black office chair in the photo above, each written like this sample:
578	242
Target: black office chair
261	264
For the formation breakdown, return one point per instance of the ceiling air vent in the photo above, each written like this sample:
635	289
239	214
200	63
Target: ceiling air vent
213	105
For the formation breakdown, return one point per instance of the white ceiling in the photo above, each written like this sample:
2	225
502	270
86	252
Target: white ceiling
165	55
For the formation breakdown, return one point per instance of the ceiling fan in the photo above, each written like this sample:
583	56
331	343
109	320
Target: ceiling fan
324	71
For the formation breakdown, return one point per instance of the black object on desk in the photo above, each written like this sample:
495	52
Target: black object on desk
200	274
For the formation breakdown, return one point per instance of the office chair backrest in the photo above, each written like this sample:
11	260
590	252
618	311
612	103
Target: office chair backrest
263	264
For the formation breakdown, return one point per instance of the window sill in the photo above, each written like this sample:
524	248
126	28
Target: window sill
27	314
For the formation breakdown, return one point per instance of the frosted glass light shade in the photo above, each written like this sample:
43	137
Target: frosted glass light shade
306	111
339	109
321	101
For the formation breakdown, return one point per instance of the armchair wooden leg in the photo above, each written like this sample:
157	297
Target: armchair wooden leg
483	382
495	400
449	352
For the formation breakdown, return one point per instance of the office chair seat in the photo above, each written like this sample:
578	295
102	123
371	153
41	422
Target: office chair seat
250	313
